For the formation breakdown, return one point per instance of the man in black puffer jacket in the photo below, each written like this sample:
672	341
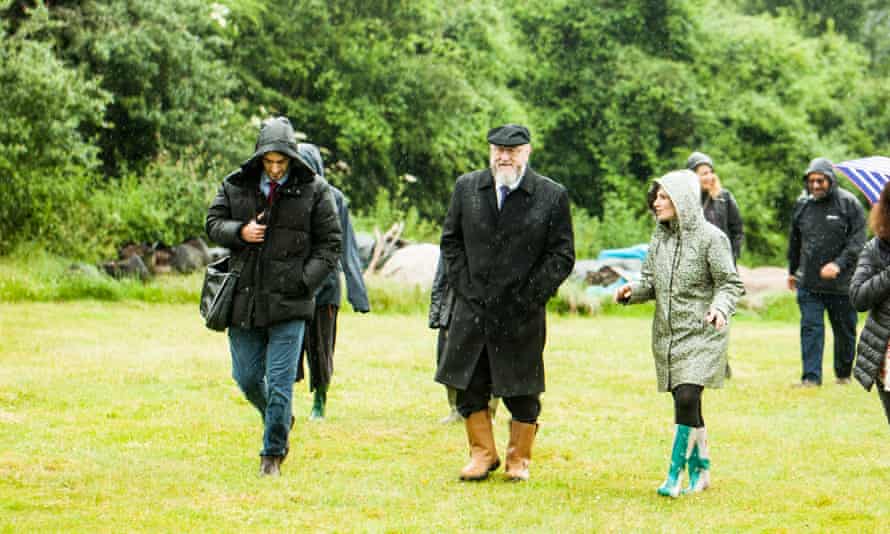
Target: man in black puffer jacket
827	233
278	218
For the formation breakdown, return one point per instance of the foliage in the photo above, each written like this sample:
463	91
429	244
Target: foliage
749	91
161	61
46	159
154	102
393	88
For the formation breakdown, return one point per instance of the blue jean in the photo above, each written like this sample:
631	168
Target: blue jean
264	364
842	317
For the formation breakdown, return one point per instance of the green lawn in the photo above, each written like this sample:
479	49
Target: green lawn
123	417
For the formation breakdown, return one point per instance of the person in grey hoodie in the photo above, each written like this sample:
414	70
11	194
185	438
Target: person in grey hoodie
827	234
321	334
690	273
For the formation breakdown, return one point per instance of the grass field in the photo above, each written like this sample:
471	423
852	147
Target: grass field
119	417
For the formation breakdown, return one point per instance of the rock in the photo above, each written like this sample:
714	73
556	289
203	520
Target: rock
413	264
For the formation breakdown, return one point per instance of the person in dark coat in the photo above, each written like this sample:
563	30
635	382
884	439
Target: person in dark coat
321	335
441	304
870	291
719	206
508	244
279	220
827	234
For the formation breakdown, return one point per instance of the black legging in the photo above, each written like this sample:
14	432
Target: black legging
523	408
687	405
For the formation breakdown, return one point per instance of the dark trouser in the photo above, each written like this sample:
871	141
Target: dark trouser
687	405
842	317
885	399
321	336
523	408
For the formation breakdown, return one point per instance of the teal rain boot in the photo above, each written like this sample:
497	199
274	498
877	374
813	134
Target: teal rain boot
699	463
671	486
317	413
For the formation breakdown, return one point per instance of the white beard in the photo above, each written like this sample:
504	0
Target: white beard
508	178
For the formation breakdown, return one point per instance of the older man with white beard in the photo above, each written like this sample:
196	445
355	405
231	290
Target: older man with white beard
507	244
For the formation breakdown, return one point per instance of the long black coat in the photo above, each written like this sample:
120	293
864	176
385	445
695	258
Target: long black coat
504	267
301	247
870	291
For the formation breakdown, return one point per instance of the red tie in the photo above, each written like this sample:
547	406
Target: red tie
273	185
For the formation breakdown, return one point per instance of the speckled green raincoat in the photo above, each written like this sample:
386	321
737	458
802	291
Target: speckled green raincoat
689	269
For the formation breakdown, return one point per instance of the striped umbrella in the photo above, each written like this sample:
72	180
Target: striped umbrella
868	174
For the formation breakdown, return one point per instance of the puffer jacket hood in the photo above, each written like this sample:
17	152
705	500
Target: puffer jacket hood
312	156
276	135
699	158
684	189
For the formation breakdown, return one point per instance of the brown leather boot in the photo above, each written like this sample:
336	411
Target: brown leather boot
519	450
483	455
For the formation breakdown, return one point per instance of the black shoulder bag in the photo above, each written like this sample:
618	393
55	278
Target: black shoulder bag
218	292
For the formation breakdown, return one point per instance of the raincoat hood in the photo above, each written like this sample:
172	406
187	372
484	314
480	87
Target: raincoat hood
684	189
823	166
312	156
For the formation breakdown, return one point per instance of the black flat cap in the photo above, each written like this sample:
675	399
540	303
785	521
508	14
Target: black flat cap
509	135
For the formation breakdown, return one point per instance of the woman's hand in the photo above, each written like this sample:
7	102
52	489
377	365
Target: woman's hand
622	294
716	318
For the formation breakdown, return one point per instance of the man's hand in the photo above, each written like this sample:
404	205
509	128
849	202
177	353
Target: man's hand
829	271
792	282
622	294
716	318
253	232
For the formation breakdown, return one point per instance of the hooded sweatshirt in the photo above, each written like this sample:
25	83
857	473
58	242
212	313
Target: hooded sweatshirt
825	230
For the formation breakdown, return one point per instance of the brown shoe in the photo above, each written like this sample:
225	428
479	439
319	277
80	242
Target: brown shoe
270	466
519	450
842	381
806	384
483	455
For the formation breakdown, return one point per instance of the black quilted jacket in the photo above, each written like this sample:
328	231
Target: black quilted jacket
870	291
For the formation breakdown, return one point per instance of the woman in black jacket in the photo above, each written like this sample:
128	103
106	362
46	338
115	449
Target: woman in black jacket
719	205
870	291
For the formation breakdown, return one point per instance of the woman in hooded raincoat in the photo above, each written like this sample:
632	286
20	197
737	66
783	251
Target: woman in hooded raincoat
690	273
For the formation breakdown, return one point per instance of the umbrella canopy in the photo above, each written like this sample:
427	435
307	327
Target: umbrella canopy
868	174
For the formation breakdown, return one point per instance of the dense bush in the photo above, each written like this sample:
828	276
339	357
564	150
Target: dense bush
120	117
